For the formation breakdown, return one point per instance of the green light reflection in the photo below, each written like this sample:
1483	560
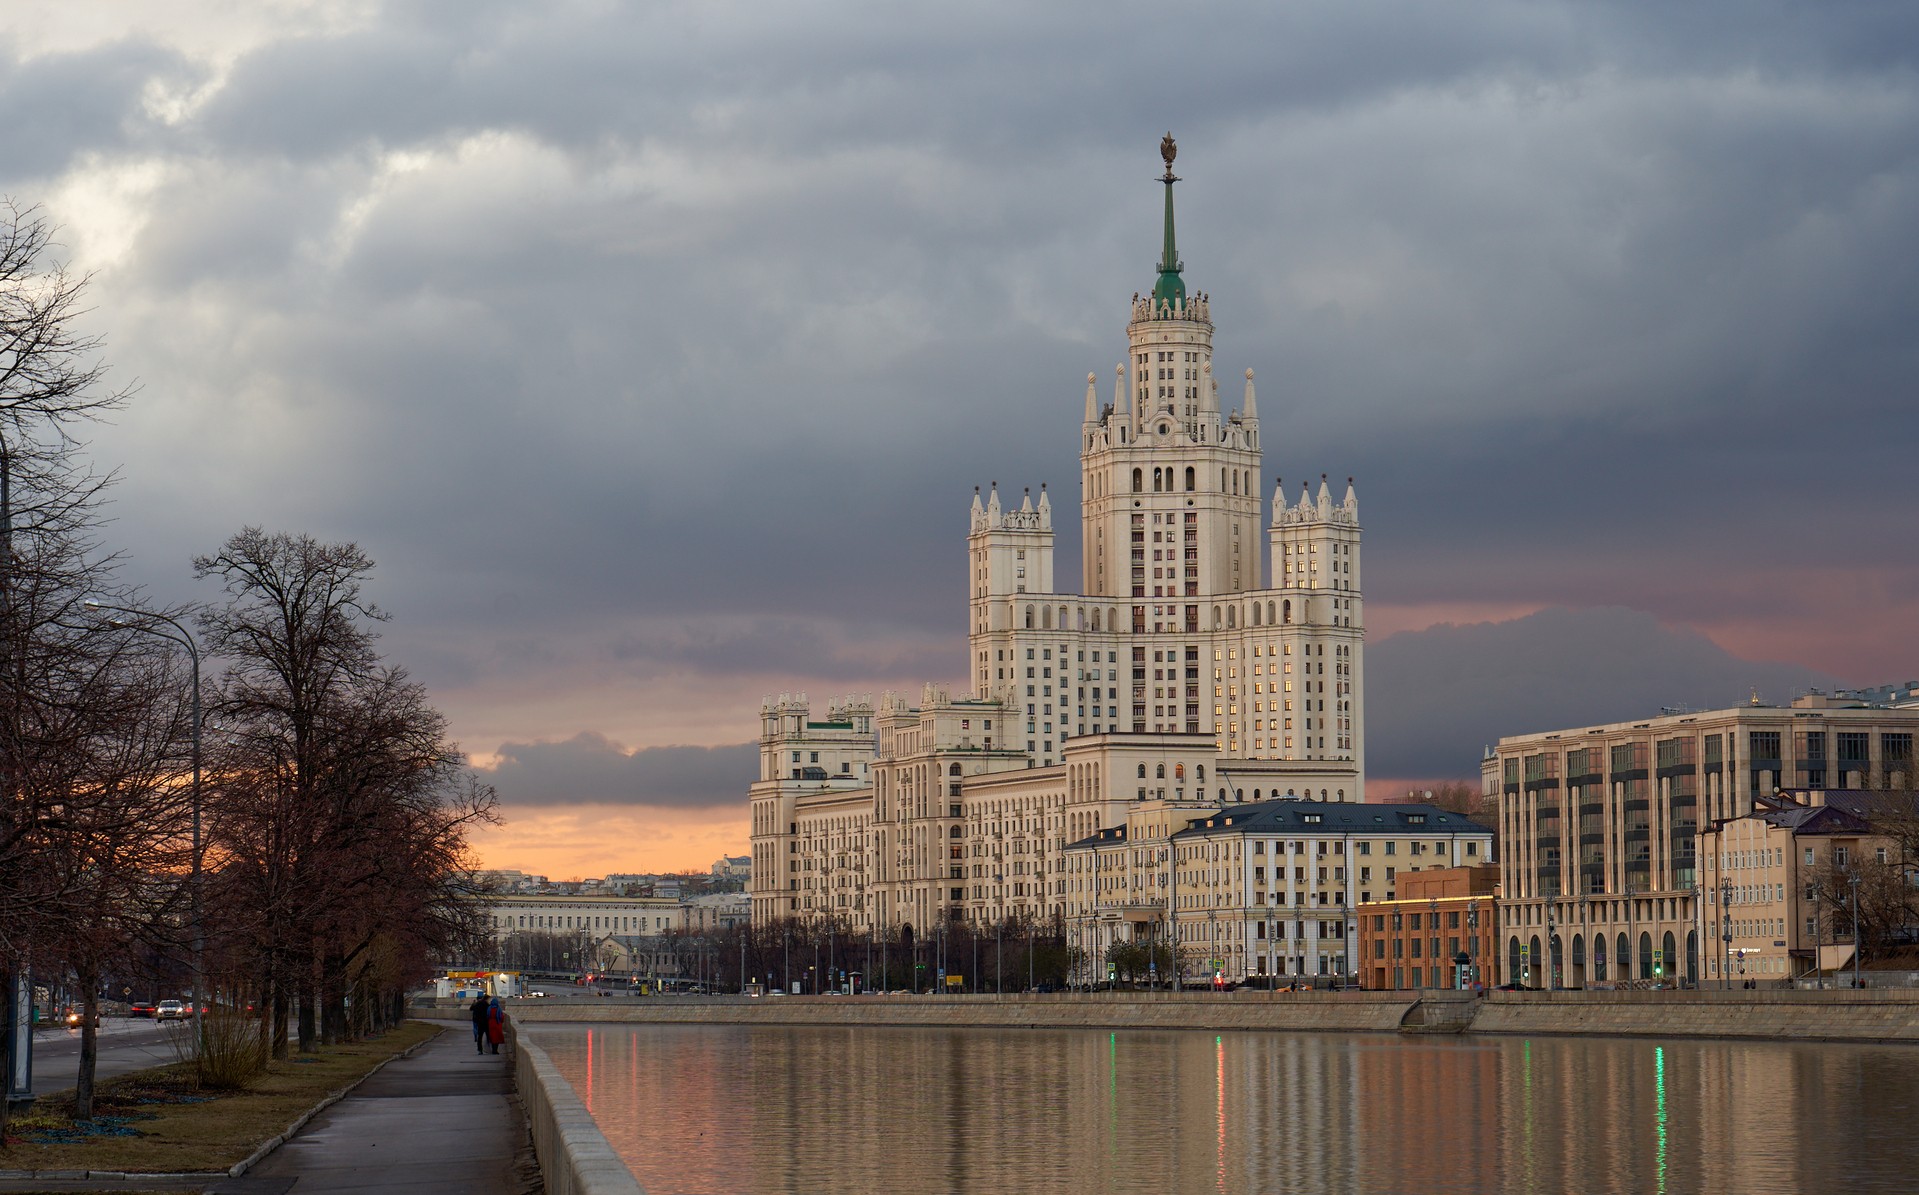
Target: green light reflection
1659	1115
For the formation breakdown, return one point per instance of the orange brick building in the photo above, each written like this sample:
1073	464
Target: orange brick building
1415	941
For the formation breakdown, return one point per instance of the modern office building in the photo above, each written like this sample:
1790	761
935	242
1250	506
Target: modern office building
1214	657
1599	826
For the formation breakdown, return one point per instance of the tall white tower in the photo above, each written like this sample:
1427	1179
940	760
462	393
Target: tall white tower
1178	630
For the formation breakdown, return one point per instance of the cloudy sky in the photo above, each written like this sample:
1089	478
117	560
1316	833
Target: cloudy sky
654	350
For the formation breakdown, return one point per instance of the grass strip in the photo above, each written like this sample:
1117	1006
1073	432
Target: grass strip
157	1122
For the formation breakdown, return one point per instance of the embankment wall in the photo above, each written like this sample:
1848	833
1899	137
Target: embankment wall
1846	1015
575	1158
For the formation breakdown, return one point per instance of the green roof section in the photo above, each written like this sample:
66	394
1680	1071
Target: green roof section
1170	288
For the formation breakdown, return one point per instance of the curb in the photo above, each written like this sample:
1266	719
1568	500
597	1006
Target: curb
272	1143
238	1168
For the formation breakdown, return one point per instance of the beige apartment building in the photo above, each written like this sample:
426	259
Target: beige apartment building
1599	827
1254	891
1758	874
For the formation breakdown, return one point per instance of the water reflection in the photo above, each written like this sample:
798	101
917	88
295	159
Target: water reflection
735	1108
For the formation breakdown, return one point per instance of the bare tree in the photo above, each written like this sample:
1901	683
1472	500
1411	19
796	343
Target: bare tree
343	807
1457	796
89	720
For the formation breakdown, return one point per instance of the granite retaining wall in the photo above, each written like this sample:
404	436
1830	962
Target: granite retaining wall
1346	1012
575	1158
1844	1015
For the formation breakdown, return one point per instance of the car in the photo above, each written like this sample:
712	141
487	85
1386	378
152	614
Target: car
141	1008
170	1010
76	1014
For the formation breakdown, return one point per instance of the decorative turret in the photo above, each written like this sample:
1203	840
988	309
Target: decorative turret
1252	402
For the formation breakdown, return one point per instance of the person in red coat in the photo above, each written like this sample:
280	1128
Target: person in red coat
495	1024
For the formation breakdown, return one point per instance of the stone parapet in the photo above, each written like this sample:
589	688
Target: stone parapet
1345	1012
1843	1015
575	1158
1857	1016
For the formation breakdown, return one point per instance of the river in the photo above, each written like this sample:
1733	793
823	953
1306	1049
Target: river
734	1108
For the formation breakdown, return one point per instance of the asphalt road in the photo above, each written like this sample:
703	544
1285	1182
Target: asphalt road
125	1044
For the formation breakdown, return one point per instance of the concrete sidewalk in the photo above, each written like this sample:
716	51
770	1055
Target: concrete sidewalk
441	1122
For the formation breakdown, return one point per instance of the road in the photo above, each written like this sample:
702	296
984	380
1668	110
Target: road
125	1045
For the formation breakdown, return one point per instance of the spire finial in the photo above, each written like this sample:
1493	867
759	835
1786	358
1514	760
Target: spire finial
1170	289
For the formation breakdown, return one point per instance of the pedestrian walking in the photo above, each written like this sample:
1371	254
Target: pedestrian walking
479	1014
495	1024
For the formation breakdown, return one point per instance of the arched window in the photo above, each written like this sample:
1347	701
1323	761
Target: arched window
1222	481
1623	956
953	832
1096	620
1692	955
1215	618
1232	617
1142	771
1235	481
1136	480
1199	773
1534	963
1512	959
1159	773
1269	612
1046	618
953	771
1599	958
1286	610
1669	955
1645	954
1255	613
1191	478
1255	794
1029	618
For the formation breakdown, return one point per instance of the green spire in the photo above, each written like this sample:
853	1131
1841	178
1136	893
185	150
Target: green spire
1170	288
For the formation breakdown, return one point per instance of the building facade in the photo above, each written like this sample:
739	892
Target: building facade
1440	930
1200	665
1249	892
1599	827
1768	881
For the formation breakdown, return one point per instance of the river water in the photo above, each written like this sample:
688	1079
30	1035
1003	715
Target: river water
734	1108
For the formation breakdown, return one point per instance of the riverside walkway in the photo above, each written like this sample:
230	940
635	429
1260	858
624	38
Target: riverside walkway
440	1122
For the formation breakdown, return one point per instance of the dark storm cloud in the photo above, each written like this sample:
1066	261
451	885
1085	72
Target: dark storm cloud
589	769
713	316
61	106
1435	698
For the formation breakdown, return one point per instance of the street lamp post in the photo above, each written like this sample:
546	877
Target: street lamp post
1552	948
1472	941
185	639
1854	878
1725	935
1818	941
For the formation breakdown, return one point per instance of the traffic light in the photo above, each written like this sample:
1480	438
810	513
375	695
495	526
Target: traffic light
1659	964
